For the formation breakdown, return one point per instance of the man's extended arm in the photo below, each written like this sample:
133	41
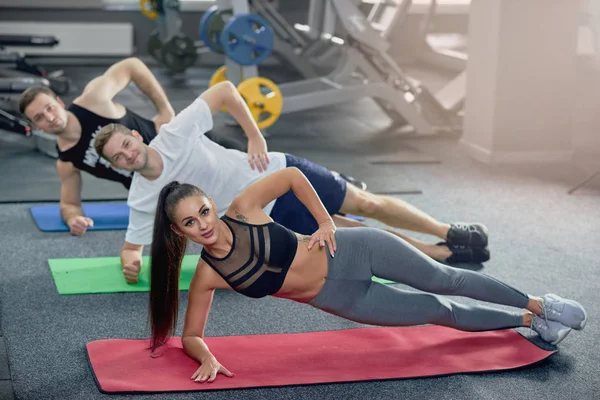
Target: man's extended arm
105	87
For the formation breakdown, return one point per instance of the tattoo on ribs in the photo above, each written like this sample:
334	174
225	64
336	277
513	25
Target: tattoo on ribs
303	238
241	217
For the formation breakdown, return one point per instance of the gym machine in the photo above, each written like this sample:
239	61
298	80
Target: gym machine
15	65
386	15
288	43
17	75
368	71
453	59
173	49
365	70
290	47
320	30
20	74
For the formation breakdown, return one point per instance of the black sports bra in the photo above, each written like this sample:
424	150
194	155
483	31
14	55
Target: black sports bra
259	259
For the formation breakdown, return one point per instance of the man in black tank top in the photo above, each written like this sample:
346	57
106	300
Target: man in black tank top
77	125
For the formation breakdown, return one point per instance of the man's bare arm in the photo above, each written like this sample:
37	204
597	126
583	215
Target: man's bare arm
118	76
70	198
225	94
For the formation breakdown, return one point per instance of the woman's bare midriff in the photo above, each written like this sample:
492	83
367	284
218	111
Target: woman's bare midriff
307	274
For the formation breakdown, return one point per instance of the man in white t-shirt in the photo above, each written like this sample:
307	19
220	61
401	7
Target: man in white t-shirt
183	153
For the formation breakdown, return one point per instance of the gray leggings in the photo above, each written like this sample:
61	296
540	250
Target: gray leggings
349	291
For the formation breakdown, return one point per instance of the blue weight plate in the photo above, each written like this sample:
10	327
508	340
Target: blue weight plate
214	27
203	27
247	39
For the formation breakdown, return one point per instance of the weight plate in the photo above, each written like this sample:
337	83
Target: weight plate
264	99
148	8
154	46
247	39
202	28
220	75
215	25
179	53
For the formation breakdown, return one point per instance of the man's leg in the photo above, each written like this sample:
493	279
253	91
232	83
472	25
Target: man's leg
391	211
399	214
437	252
338	197
442	252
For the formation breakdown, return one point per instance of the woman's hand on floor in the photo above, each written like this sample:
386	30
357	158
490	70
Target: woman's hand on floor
208	371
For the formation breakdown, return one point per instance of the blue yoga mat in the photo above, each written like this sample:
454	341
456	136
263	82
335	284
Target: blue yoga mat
106	216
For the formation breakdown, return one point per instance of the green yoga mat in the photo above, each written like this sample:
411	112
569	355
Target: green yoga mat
103	275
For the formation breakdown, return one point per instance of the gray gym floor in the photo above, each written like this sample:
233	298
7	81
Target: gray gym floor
542	240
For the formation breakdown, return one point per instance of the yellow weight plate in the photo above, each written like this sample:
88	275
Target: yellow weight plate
264	99
220	75
148	8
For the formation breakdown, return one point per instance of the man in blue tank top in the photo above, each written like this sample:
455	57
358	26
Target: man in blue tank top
76	126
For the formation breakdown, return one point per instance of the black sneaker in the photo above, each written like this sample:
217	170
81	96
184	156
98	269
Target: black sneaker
466	255
464	234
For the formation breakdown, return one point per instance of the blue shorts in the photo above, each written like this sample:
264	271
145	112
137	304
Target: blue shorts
331	188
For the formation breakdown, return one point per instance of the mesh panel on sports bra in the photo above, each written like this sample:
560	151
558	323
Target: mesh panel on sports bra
249	258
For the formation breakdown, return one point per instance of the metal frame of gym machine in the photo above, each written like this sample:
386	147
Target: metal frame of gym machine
321	23
385	15
446	58
13	82
365	70
289	45
169	24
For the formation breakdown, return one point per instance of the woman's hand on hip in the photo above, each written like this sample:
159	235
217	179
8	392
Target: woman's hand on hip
325	234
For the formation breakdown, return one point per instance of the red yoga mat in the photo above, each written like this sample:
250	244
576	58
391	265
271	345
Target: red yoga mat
360	354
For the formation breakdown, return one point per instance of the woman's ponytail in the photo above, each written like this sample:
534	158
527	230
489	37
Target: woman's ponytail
166	255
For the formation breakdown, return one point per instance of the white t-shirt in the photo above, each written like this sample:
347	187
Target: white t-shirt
190	157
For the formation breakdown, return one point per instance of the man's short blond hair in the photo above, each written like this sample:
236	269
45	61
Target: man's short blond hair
104	135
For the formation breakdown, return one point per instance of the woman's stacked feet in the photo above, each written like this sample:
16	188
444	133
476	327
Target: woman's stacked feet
559	317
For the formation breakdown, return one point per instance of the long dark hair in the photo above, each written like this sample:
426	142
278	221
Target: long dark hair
166	255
